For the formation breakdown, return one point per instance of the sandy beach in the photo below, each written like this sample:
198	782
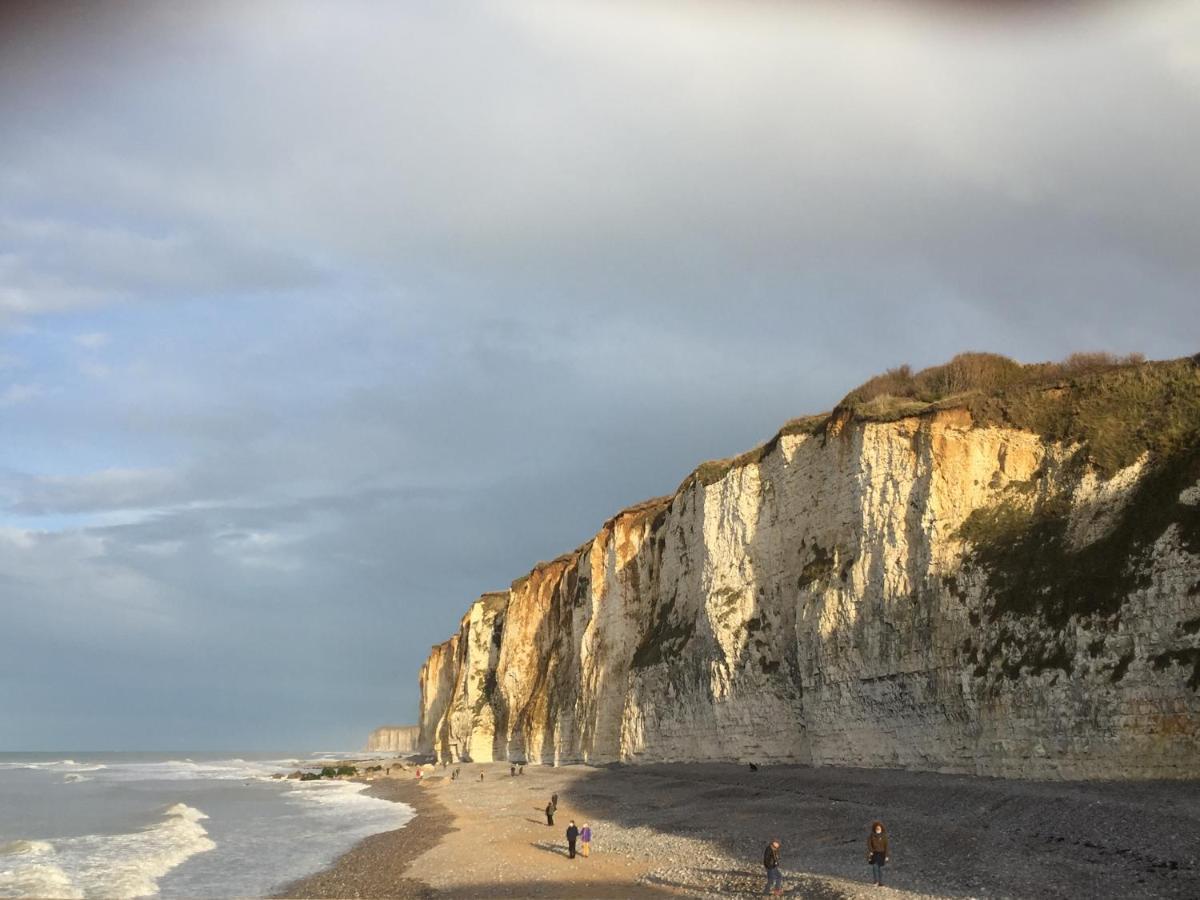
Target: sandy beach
699	831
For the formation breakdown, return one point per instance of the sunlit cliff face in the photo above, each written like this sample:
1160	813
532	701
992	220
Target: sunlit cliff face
932	592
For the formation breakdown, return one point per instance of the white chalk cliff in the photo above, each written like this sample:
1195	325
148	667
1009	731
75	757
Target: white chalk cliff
395	739
1002	583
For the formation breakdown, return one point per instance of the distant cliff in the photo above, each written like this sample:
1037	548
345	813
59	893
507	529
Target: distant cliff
981	568
394	739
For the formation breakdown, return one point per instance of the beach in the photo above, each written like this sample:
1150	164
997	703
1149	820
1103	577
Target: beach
698	830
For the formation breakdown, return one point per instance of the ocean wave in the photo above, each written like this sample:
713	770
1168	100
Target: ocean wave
75	777
26	848
187	770
345	799
110	865
58	764
29	869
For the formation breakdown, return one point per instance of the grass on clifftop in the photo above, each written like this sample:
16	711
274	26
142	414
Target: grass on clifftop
971	372
1116	408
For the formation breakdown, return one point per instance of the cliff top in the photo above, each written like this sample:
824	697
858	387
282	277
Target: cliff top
1116	409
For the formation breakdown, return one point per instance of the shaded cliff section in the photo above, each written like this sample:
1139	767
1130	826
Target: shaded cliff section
1003	580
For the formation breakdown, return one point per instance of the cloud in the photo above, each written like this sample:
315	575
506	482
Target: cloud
17	394
66	583
53	265
92	341
110	489
646	142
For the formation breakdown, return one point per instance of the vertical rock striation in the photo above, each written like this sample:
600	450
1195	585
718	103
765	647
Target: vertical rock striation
1005	583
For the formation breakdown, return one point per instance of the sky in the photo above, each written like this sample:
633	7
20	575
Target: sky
319	320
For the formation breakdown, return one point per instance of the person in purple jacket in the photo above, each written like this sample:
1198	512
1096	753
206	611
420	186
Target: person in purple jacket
585	840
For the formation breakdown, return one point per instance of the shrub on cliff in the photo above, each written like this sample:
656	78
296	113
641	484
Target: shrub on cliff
900	391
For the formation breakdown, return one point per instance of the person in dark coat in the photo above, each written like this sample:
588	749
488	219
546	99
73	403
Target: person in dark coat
877	850
771	864
572	836
554	800
549	813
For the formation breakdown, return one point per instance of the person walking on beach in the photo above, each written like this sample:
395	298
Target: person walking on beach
481	776
549	813
585	840
771	864
520	770
877	850
572	836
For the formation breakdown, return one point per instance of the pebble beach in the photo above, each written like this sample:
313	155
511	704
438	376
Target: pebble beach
699	831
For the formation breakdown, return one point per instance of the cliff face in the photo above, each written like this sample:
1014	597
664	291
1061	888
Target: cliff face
984	586
394	739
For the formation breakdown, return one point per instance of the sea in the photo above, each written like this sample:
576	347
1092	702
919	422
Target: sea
174	825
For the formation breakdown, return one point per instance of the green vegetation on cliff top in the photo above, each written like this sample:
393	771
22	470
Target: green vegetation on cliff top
1116	408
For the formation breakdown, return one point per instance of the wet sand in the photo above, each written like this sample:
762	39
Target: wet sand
699	830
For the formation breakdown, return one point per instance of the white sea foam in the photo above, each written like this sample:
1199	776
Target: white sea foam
345	799
109	865
66	764
30	869
186	770
73	777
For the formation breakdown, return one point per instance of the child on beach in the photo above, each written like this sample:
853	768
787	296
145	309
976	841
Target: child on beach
585	840
877	850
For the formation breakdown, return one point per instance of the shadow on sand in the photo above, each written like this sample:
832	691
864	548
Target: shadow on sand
951	834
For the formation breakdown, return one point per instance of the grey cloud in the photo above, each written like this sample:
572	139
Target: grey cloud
777	138
51	266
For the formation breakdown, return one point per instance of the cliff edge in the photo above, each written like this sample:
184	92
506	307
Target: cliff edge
980	568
